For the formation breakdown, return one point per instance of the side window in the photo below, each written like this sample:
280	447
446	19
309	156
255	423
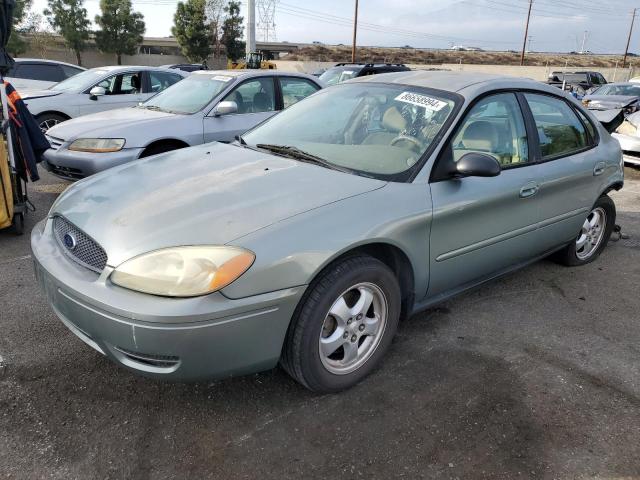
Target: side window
495	126
559	129
161	80
590	127
121	84
70	71
40	71
254	96
295	89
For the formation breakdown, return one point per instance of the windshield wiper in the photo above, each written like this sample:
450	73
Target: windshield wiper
296	153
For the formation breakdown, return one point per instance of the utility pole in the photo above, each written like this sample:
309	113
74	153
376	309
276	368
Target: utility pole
530	40
526	33
355	32
626	51
251	27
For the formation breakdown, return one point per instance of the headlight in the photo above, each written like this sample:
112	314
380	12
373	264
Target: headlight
183	271
97	145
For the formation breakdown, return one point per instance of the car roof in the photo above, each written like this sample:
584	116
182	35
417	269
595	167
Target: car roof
254	73
42	60
455	81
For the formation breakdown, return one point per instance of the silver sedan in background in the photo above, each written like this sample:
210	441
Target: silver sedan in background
97	90
206	107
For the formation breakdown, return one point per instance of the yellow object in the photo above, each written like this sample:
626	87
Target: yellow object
6	192
255	61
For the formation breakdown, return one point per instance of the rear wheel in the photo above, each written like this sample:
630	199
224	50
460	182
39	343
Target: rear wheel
344	325
18	223
593	237
48	120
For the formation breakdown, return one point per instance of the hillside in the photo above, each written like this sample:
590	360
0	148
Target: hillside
322	53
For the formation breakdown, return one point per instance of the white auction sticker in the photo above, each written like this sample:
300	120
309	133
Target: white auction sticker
422	101
221	78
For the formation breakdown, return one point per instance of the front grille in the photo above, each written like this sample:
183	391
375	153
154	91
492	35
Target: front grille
66	172
79	246
55	142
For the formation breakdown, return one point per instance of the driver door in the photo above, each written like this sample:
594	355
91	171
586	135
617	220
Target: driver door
482	226
122	90
256	100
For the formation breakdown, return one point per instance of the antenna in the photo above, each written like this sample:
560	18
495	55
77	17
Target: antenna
266	19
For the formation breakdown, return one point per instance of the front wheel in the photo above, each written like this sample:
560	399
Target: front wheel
48	120
344	325
593	237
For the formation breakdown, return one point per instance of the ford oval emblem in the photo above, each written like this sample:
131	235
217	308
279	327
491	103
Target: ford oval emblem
70	241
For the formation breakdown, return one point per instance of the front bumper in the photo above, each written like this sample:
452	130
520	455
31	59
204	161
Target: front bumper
187	339
72	165
630	147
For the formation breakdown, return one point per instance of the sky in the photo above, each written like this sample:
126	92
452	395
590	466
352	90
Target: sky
556	25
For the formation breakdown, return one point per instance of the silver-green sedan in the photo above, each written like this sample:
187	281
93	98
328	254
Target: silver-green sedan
306	241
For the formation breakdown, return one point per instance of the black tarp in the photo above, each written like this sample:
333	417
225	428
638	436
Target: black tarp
6	20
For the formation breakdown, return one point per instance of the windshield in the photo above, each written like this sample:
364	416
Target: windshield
189	95
626	90
373	129
339	74
79	82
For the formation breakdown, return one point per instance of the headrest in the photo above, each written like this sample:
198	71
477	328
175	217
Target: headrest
261	101
480	135
393	121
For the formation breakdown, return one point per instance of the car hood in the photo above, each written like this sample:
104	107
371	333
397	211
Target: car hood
28	93
110	123
211	194
606	102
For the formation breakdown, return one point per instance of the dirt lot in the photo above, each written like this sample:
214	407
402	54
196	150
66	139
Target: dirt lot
536	375
321	53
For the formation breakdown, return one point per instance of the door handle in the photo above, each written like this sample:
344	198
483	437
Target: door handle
529	190
599	168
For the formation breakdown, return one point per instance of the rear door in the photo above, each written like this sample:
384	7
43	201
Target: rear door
481	226
256	100
569	167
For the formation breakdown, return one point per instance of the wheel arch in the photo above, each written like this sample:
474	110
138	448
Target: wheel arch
164	141
614	186
392	256
53	112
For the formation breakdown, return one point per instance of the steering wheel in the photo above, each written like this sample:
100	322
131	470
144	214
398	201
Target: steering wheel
416	144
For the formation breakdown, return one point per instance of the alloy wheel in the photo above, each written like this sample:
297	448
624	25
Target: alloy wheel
353	328
591	234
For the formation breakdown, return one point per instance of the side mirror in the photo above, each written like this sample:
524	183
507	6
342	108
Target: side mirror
96	92
474	164
225	108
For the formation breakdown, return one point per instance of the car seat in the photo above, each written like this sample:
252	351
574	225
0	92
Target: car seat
393	123
261	102
135	83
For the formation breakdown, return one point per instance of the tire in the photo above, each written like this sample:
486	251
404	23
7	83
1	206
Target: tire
160	148
48	120
314	332
18	223
574	256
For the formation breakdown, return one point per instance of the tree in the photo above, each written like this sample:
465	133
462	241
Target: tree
69	19
232	30
121	29
214	10
191	31
40	38
17	45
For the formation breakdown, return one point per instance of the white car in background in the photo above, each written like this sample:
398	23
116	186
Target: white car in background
29	73
97	90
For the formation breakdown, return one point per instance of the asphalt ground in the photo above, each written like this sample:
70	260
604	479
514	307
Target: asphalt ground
535	375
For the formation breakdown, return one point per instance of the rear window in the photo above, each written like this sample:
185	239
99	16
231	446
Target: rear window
39	71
